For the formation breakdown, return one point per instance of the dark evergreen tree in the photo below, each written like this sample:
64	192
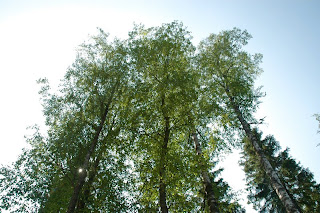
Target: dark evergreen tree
299	182
217	194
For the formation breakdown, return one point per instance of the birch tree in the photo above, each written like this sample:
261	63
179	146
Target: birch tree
82	156
162	59
231	72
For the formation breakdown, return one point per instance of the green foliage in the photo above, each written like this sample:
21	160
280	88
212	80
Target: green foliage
229	72
96	83
165	92
228	91
299	181
149	93
227	199
26	184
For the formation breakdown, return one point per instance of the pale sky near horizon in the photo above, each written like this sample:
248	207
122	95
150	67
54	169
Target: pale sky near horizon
38	39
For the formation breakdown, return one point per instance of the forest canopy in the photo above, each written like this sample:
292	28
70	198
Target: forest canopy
139	125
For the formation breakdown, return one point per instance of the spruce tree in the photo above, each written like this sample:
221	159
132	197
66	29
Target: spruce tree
299	182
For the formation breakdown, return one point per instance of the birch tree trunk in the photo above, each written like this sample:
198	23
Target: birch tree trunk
83	173
162	171
276	183
83	202
213	204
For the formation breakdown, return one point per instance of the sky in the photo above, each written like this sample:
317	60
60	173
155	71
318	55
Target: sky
39	39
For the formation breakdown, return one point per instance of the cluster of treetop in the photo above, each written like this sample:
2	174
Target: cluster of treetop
139	124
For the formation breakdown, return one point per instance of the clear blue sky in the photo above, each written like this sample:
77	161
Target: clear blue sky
38	39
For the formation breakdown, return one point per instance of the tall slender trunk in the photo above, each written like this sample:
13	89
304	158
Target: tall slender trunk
213	204
276	183
83	174
82	202
162	171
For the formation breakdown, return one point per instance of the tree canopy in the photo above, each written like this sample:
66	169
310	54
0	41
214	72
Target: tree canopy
138	125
